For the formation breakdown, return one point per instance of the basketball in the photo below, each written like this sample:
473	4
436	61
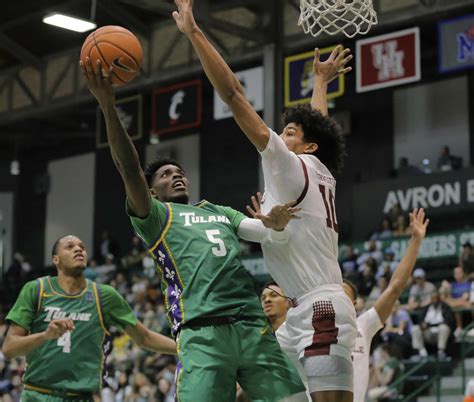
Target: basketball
114	46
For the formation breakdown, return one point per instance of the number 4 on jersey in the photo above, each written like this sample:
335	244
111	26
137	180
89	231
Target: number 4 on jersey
65	342
330	206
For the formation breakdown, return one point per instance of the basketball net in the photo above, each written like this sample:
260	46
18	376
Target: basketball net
350	17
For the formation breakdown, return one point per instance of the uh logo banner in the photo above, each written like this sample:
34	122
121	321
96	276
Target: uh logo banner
176	108
299	78
456	44
388	60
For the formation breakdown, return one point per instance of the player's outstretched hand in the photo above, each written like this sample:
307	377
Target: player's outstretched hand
184	16
278	217
334	66
58	328
418	223
99	81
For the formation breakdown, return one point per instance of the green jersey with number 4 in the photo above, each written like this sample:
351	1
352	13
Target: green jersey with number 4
75	361
196	248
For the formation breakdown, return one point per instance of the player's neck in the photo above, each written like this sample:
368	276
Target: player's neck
71	285
277	322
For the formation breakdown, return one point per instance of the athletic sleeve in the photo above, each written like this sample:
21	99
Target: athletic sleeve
24	310
285	167
254	230
117	312
150	227
370	321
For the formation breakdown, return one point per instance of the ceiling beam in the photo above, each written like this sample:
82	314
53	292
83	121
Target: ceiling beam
18	51
117	11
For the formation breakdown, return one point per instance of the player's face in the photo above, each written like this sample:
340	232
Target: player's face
71	256
293	136
273	304
171	185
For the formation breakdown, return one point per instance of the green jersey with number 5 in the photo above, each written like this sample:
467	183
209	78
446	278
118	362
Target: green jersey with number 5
75	361
196	249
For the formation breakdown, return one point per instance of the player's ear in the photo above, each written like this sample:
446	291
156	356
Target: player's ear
311	148
55	260
152	192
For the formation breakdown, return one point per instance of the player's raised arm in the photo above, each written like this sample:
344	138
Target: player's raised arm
326	71
402	274
123	151
222	78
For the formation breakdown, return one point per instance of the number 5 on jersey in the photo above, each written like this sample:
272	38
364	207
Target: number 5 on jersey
330	207
220	250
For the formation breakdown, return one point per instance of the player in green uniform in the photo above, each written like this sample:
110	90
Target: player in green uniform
210	298
61	324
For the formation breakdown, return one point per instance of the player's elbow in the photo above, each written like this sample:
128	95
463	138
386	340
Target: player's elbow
8	351
234	95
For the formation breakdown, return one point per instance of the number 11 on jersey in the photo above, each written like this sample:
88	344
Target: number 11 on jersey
329	205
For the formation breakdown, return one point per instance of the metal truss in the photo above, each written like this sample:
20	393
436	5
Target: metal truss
44	86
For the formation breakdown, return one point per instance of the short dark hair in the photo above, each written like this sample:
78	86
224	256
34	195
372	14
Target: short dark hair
324	131
153	167
270	283
54	250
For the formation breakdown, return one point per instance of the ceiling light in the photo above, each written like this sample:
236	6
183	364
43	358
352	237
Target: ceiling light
71	23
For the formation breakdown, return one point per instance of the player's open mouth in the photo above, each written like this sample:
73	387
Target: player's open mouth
79	257
179	185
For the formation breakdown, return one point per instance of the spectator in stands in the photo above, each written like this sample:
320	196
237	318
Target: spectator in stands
457	294
90	271
466	259
421	291
134	257
401	227
388	265
398	329
447	162
394	213
108	245
348	260
365	280
385	231
377	290
106	271
385	373
372	251
405	169
436	325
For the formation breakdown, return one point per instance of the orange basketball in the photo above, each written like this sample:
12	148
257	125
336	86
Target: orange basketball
114	46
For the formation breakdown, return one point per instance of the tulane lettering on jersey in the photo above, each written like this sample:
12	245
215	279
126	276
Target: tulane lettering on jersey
54	313
190	218
196	250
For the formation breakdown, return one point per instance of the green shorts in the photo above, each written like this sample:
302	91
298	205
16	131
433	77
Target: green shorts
214	358
29	395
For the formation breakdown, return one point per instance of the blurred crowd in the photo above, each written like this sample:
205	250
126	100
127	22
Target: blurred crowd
426	321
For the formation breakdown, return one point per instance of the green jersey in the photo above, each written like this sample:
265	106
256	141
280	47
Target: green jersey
75	361
196	249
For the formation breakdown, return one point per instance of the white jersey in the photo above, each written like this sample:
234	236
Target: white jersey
309	260
368	324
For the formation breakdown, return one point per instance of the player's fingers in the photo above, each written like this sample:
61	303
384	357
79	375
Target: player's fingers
341	55
259	197
255	203
88	66
334	53
294	217
251	211
344	70
347	60
421	215
294	210
427	222
290	204
317	55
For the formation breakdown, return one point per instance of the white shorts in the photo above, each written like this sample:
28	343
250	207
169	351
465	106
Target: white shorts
322	324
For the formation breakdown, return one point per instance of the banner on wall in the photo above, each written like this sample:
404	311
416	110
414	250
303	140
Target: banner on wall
456	44
388	60
177	107
130	112
252	82
299	78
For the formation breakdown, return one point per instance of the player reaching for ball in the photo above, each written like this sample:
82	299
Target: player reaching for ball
299	164
62	324
212	305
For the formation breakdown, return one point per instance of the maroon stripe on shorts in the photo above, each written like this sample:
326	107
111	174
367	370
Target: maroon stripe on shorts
325	330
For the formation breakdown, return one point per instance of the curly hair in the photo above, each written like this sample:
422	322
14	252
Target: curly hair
153	167
324	131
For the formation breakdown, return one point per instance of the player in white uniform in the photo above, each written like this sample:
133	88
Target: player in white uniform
369	323
299	165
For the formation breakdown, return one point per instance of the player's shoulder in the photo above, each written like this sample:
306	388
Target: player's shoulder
106	291
314	165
